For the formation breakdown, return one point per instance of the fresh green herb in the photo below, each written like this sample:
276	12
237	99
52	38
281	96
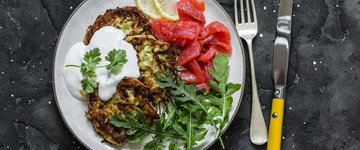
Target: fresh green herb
137	125
223	99
186	96
91	58
87	69
183	92
168	117
89	84
117	59
172	145
190	133
186	112
139	128
155	144
215	105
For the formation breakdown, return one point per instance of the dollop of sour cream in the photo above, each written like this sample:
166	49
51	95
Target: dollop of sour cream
106	39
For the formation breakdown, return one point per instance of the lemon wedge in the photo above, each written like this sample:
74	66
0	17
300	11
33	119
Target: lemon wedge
148	8
167	9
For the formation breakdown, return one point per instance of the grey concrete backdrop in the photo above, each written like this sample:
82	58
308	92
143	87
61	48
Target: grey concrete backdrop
323	98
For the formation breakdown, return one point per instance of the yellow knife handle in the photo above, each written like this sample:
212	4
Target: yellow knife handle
276	121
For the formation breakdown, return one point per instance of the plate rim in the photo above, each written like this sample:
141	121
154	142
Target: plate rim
242	89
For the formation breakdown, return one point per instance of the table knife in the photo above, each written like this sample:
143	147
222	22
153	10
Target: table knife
280	70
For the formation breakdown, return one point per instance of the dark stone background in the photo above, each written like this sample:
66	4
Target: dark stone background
323	98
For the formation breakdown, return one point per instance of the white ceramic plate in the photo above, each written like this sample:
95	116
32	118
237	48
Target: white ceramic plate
73	111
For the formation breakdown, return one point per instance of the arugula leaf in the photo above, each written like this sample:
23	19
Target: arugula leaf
200	135
155	144
170	110
131	132
137	124
191	103
186	112
190	140
117	59
232	88
138	137
221	72
190	124
179	130
172	145
182	92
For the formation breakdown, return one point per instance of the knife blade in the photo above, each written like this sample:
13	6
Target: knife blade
282	43
280	70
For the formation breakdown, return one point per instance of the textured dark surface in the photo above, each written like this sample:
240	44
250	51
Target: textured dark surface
323	102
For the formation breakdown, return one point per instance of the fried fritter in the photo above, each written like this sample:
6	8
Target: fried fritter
128	19
132	94
154	57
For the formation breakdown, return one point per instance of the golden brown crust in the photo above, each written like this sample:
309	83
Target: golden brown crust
132	94
162	58
117	17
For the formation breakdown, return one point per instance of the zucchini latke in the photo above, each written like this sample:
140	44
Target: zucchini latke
132	94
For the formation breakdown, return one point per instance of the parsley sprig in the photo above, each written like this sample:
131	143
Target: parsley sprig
117	59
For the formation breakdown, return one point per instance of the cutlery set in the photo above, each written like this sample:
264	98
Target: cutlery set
247	27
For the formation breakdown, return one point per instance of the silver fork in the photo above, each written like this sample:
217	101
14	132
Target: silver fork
248	29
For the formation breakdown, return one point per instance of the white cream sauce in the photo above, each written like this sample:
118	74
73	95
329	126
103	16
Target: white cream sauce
106	39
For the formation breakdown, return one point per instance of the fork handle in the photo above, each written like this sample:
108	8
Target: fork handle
258	130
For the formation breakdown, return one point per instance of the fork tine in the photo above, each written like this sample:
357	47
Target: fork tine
248	11
236	12
242	11
254	11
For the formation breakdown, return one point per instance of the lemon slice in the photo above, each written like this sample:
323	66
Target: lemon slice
167	9
148	8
